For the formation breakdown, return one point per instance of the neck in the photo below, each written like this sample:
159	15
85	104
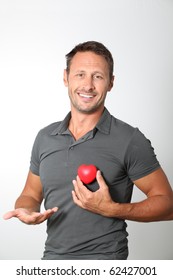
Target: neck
81	123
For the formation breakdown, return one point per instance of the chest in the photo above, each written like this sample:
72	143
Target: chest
61	157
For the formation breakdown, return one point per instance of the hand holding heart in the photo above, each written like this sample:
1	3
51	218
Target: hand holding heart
99	202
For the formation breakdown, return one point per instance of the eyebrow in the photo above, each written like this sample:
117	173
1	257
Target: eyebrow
95	72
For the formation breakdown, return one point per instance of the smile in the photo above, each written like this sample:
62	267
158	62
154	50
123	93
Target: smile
86	95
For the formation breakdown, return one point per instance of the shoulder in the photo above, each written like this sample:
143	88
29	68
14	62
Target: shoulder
128	135
56	127
45	133
122	129
49	129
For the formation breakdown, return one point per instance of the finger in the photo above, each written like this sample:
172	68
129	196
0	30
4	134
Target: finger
74	196
101	180
80	185
80	190
50	212
84	191
55	209
9	215
34	219
76	200
46	214
76	189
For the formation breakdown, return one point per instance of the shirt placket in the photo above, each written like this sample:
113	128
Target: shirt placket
73	144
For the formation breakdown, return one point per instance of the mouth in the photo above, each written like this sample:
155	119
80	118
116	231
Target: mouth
86	95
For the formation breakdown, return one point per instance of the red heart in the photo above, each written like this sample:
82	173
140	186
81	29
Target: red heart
87	173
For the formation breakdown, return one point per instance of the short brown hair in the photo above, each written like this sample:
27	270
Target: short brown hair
95	47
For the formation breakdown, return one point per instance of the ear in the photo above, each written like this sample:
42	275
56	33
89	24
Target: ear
65	78
111	83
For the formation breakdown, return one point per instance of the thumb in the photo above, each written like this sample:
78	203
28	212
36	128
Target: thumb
101	180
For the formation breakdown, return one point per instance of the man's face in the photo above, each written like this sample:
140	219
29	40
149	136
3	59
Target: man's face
88	82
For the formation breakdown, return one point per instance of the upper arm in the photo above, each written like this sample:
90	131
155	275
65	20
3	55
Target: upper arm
33	187
156	183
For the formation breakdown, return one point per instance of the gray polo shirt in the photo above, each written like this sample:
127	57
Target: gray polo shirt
121	152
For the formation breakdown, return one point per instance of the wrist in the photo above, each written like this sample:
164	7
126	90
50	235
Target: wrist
112	210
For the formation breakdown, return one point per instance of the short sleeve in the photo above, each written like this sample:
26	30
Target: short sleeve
35	159
140	158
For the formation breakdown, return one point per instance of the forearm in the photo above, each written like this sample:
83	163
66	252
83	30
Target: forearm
27	202
156	208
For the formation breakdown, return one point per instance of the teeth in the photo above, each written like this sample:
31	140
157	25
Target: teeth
86	96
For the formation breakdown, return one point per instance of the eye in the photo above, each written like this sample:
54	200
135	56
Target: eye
80	75
98	77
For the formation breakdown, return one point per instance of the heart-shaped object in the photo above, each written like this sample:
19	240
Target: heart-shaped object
87	173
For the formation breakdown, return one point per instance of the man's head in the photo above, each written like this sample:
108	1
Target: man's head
95	47
88	76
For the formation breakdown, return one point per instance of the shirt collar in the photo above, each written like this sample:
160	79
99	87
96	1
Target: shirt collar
103	124
63	126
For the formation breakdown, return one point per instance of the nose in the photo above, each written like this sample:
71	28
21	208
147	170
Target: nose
88	84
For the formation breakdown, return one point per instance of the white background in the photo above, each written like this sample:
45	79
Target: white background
35	35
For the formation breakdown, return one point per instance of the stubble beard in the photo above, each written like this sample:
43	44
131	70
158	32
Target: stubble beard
92	109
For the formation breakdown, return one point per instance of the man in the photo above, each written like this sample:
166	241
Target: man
88	221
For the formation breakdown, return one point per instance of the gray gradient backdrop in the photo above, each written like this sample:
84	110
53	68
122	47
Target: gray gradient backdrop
35	35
